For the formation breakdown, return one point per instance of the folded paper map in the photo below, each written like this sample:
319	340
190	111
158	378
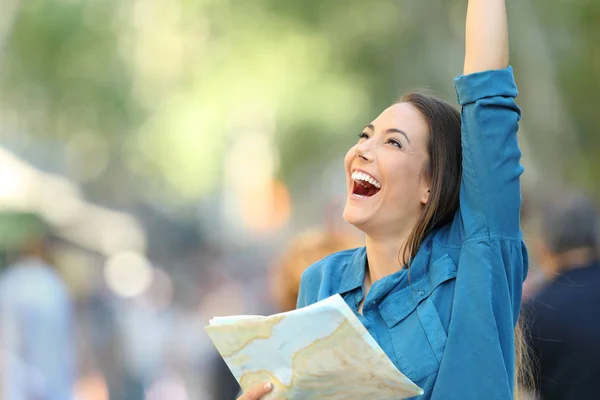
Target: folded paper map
321	351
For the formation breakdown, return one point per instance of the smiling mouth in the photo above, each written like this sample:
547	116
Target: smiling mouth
364	185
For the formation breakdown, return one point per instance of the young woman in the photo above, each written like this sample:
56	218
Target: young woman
437	194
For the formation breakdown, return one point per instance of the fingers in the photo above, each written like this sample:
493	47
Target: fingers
257	392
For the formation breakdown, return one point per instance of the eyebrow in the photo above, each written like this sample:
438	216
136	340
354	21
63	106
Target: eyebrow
391	130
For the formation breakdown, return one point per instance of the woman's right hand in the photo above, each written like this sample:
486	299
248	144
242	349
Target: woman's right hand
257	392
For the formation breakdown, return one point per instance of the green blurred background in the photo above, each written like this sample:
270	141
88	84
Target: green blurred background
193	138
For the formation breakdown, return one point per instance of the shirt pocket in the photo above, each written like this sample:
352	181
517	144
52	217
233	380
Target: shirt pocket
416	330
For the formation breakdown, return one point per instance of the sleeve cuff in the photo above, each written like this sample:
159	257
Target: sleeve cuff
476	86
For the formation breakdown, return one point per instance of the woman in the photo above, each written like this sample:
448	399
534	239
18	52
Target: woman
439	282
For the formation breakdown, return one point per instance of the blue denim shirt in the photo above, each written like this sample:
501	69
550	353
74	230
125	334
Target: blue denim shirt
448	324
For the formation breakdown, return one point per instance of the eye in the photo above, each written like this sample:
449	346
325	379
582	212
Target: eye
363	135
396	143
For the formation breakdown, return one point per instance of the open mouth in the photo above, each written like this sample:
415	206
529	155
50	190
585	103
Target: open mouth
364	185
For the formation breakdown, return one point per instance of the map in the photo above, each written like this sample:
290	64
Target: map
321	351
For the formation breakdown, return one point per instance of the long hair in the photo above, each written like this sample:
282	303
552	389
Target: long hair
524	365
443	171
444	175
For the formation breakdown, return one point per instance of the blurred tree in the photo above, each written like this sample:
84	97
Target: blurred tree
62	71
169	86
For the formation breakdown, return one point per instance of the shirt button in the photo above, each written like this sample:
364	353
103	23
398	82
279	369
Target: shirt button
420	292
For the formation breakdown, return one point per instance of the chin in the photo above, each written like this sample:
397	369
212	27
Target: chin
355	217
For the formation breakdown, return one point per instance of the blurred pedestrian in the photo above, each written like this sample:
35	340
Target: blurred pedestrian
564	315
36	331
303	250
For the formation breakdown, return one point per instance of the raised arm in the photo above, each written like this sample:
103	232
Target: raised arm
486	36
490	197
479	357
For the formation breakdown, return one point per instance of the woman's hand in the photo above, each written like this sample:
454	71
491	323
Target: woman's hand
257	392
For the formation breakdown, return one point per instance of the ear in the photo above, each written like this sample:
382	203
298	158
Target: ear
425	191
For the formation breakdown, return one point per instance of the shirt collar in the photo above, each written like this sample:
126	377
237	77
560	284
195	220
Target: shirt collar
354	273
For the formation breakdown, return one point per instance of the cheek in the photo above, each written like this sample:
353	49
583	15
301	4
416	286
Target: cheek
425	174
404	176
349	157
401	171
413	171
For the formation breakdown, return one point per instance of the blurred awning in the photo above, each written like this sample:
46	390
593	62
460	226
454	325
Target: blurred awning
58	201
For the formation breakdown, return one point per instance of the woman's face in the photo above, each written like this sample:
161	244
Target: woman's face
386	172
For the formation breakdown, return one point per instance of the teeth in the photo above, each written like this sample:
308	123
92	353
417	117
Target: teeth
361	176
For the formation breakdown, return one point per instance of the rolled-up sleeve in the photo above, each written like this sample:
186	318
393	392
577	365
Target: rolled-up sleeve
490	196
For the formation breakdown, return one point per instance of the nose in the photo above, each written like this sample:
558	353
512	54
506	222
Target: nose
364	152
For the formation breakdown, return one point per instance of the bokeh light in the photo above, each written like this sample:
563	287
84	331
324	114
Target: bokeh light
128	274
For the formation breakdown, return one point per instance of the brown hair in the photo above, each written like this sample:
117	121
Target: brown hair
444	174
443	171
524	364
